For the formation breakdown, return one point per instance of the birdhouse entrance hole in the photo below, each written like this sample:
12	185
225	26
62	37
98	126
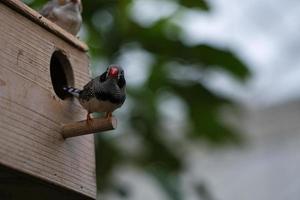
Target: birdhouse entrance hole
61	73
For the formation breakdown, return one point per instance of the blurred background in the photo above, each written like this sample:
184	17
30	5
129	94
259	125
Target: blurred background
213	101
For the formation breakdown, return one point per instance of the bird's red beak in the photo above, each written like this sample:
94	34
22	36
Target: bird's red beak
113	72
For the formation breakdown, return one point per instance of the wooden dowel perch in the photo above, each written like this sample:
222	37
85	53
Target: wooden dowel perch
93	126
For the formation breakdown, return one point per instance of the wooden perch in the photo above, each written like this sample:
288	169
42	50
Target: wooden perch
93	126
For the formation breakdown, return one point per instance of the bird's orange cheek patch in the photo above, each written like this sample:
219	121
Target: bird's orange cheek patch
61	2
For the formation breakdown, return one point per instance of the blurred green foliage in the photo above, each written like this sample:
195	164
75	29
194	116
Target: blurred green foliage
109	27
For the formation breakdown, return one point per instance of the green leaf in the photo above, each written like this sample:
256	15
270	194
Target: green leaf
203	109
107	156
199	4
144	119
154	40
170	182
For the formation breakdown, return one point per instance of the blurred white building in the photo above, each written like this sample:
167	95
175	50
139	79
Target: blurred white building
266	168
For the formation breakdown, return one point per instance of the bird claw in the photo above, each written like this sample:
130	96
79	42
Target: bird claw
108	115
88	119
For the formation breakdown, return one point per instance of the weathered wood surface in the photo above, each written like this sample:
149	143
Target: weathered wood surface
31	14
31	115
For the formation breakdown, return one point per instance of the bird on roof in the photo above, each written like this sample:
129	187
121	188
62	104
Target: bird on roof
64	13
105	93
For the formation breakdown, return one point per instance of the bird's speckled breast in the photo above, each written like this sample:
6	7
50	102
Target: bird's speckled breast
95	105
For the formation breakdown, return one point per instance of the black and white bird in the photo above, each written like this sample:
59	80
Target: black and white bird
64	13
104	93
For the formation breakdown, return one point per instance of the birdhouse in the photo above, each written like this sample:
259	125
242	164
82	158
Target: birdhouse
38	58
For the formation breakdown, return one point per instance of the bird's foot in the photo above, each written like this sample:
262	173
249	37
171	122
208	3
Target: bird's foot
108	115
88	118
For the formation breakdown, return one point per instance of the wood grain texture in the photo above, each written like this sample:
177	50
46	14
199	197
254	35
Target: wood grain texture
85	127
32	115
31	14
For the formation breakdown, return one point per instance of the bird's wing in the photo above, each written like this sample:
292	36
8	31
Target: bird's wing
88	90
47	8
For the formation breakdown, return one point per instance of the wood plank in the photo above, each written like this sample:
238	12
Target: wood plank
31	14
32	115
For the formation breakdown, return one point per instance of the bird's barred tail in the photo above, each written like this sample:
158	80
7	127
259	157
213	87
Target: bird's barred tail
73	91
